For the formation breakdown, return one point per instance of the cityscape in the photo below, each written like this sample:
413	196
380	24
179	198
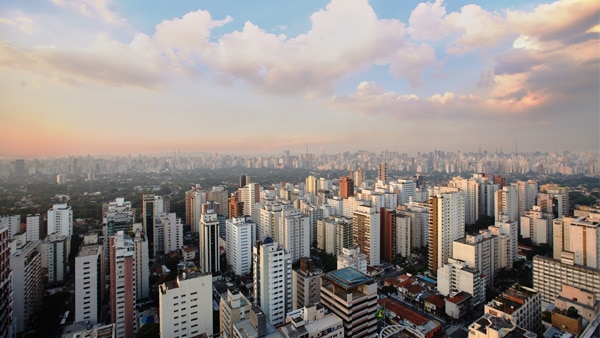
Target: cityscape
300	169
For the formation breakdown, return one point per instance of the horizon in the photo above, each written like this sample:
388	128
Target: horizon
238	78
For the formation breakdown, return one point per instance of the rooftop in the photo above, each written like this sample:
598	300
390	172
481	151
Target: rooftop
348	277
88	250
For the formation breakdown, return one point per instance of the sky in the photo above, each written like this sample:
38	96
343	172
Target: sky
104	77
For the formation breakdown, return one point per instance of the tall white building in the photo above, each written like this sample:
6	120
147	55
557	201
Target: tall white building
366	233
250	196
123	285
403	234
272	274
456	276
209	242
352	258
88	269
12	222
579	236
511	229
405	190
507	202
294	233
470	188
194	199
537	225
519	304
7	325
527	191
479	252
173	232
142	262
233	307
446	224
60	220
33	227
28	290
185	306
240	236
334	234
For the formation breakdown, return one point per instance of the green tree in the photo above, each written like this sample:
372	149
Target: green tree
151	330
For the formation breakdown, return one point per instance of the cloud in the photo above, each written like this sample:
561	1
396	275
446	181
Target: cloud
93	9
22	23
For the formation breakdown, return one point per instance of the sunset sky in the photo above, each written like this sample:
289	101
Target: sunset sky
125	77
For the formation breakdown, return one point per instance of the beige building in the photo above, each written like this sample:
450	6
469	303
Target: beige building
488	326
520	305
234	307
352	258
312	322
479	252
306	281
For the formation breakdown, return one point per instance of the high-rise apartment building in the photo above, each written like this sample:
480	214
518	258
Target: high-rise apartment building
404	189
537	225
13	223
142	262
352	296
507	203
26	266
55	254
294	233
479	252
510	229
173	232
210	260
527	191
520	305
240	236
123	285
311	185
366	233
88	282
456	276
250	196
152	207
346	187
185	306
446	224
559	194
233	307
470	188
358	176
194	199
306	281
382	172
7	325
219	194
60	220
33	227
312	321
352	258
579	236
272	274
403	235
334	234
388	237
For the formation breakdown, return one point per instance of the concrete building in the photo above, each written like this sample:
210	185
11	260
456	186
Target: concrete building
219	195
456	276
60	220
446	224
527	191
537	225
312	322
123	284
511	230
173	232
240	236
558	194
13	223
142	262
403	235
520	305
185	306
346	187
382	172
352	258
479	252
507	203
7	325
88	283
152	207
250	194
334	234
272	277
470	188
26	266
210	260
311	185
87	330
579	236
293	233
33	227
404	189
233	307
352	296
194	198
305	284
366	233
549	275
256	326
488	326
55	254
388	237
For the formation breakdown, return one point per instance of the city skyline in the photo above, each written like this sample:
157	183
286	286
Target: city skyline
127	77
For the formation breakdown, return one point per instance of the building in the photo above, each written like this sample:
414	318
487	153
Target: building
456	276
559	195
85	329
60	220
219	195
33	227
233	307
117	215
388	237
366	233
502	227
507	203
488	326
173	232
520	305
579	236
479	252
311	185
470	188
352	258
305	284
446	224
458	305
346	187
142	261
55	254
293	233
417	324
549	275
352	296
7	325
26	266
256	326
250	194
152	207
210	260
13	223
194	198
527	191
185	306
537	225
240	236
382	172
88	283
20	168
312	322
123	284
403	235
334	234
272	277
404	190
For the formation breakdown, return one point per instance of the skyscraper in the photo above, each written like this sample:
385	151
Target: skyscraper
240	236
507	202
7	326
60	220
446	224
122	285
194	199
209	242
382	172
33	227
346	187
388	234
88	271
28	289
366	233
272	274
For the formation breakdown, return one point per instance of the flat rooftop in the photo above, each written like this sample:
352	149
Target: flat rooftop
348	277
88	250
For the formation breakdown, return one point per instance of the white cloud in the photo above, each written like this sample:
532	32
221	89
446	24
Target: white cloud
93	9
22	23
